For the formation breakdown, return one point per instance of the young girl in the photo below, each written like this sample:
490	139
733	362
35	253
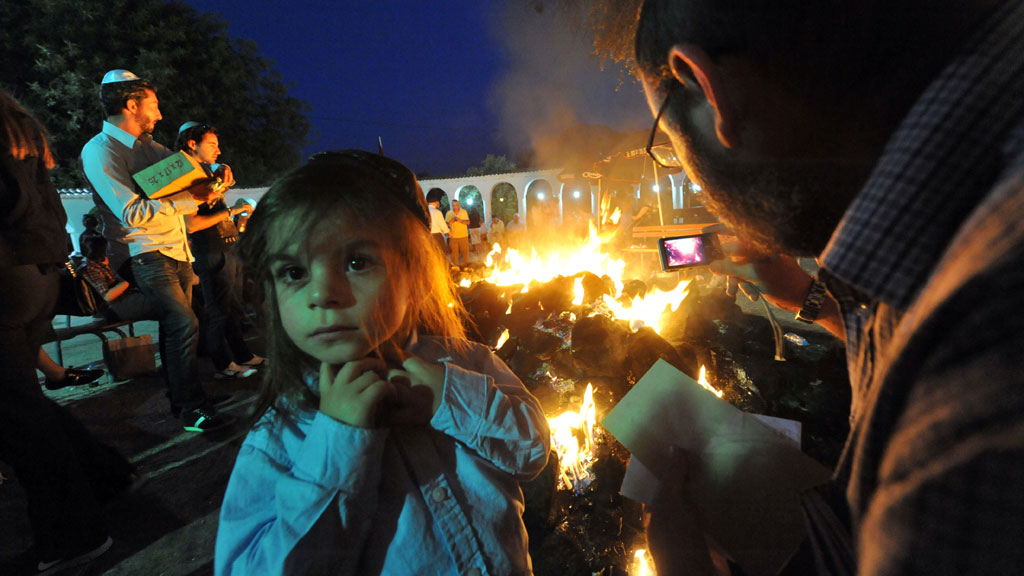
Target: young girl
378	449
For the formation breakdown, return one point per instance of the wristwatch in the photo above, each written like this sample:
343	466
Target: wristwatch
812	302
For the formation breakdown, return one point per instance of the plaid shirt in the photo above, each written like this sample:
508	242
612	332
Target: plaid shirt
932	300
99	276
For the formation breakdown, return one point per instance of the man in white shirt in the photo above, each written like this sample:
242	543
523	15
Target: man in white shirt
151	233
438	227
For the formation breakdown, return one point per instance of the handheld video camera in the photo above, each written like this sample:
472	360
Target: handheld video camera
678	252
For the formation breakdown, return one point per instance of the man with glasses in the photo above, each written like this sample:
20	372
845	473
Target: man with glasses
154	233
888	142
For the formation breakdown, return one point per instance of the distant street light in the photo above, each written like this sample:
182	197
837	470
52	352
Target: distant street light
540	195
575	193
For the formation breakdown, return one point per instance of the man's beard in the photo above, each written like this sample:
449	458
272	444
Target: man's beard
778	206
145	122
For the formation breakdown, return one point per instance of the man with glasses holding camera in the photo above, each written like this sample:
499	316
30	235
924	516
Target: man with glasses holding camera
887	140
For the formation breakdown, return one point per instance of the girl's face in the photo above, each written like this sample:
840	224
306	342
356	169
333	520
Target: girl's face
334	294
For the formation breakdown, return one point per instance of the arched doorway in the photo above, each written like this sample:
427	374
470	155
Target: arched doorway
577	206
542	204
504	201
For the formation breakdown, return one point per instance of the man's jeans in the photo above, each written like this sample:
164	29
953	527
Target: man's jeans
220	277
167	283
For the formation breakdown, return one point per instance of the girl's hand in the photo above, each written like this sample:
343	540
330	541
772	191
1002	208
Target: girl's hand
353	393
419	388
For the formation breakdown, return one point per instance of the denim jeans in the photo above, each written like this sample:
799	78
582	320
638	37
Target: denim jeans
167	284
220	277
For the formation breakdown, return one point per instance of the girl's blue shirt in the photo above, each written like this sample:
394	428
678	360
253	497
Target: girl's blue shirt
312	495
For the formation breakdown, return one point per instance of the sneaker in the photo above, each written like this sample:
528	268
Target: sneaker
41	566
234	371
254	362
73	377
204	419
215	400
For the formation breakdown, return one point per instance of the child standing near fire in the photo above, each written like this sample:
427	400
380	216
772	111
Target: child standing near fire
385	442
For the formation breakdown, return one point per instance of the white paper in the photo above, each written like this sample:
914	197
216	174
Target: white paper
746	479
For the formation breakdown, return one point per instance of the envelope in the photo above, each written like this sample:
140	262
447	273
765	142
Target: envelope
171	175
746	480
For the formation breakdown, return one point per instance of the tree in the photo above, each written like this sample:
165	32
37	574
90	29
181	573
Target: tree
56	51
492	165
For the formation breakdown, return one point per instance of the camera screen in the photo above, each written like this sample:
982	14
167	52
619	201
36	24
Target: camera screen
684	251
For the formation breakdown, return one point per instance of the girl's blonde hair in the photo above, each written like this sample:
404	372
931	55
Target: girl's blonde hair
348	189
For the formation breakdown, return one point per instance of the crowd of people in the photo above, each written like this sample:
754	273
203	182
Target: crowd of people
887	142
462	234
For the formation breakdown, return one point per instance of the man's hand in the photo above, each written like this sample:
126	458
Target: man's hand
675	532
353	393
205	190
242	206
419	389
226	176
779	278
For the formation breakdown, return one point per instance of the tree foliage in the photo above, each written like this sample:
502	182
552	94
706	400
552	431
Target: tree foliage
492	165
55	53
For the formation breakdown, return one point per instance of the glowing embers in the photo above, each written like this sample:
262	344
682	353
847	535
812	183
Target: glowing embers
572	437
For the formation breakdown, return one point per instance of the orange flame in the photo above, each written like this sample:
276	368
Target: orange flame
702	379
642	564
516	269
575	459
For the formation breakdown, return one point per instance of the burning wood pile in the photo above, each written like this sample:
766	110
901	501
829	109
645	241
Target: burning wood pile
579	335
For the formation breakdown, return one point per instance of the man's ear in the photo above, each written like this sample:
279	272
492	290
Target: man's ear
191	145
131	106
693	68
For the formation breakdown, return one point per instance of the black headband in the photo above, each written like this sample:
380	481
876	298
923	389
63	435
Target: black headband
395	177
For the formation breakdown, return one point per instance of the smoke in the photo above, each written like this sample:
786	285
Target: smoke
554	83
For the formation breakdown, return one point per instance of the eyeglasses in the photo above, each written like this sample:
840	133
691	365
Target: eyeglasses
664	156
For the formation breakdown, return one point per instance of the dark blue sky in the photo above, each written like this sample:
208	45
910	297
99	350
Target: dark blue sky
442	82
